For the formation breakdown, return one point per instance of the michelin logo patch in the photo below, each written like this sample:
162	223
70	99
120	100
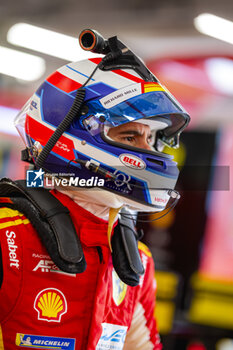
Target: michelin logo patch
113	337
43	342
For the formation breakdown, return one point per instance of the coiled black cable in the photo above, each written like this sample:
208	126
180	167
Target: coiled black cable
62	127
66	122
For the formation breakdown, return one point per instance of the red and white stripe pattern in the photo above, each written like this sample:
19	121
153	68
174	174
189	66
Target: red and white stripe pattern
78	73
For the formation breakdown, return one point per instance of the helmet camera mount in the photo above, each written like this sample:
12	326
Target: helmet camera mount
117	55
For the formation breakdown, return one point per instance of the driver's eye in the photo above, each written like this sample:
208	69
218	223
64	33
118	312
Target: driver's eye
150	139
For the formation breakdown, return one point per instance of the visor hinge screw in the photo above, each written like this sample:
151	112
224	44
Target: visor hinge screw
102	119
83	142
36	149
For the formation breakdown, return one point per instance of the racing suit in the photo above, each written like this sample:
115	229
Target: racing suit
43	307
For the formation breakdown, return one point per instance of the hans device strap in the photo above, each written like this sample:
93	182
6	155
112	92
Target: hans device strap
51	220
55	228
125	255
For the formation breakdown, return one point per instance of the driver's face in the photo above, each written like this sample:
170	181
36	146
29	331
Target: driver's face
133	134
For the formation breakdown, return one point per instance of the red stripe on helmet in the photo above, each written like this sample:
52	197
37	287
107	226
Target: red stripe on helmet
39	132
62	82
95	60
119	71
127	75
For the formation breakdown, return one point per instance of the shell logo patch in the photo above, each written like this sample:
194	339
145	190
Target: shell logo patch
119	288
50	305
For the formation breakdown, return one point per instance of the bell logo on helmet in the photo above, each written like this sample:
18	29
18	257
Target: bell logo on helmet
50	305
132	161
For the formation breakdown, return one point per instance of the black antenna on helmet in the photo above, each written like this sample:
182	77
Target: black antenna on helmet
118	56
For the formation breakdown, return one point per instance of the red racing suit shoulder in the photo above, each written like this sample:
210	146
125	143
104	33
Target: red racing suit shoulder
42	306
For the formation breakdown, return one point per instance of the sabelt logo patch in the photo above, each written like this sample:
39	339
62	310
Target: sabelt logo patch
50	305
44	342
132	161
113	337
13	248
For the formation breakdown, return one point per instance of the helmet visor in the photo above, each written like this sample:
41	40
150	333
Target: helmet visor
20	119
158	105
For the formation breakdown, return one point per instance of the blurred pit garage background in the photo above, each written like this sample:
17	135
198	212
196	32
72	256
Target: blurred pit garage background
193	56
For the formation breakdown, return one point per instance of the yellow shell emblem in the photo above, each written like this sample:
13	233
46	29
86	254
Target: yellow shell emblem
119	288
50	305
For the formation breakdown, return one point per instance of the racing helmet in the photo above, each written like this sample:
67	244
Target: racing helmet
100	94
